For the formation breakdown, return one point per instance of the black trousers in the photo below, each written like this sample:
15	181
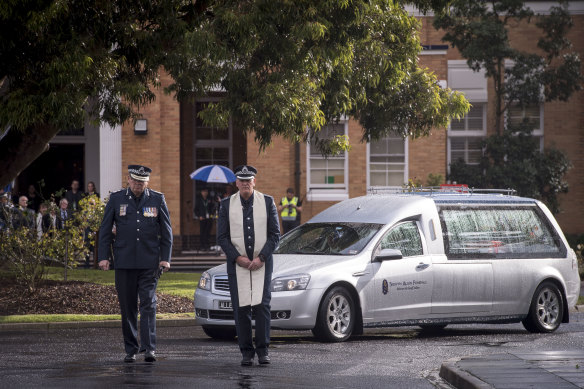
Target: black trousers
243	316
206	225
132	284
289	225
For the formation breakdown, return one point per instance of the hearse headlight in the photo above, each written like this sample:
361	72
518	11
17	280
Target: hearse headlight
295	282
205	281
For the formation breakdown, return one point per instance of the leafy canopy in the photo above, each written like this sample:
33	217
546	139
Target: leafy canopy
283	65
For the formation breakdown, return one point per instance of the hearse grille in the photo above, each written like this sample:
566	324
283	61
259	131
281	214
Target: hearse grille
221	283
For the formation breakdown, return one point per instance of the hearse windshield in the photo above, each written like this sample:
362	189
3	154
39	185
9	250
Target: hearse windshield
328	238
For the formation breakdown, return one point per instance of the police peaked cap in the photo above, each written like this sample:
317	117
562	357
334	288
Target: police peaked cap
139	172
245	172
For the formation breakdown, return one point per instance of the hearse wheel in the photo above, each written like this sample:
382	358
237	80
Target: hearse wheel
546	310
220	333
336	316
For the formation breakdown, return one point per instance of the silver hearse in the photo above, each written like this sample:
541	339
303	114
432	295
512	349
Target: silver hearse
426	259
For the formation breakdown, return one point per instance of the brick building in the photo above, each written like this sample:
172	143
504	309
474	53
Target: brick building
176	143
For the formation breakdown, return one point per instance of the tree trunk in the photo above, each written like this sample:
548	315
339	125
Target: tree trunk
19	149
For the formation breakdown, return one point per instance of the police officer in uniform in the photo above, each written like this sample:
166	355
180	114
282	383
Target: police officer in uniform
143	244
248	232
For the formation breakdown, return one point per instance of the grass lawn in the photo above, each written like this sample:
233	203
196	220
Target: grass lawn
75	317
175	283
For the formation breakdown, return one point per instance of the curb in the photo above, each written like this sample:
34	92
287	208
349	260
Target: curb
159	323
7	327
459	378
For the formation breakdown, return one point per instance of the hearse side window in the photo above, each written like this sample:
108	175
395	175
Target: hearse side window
498	232
404	237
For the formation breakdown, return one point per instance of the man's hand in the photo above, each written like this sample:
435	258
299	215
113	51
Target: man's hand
255	264
104	264
165	265
243	261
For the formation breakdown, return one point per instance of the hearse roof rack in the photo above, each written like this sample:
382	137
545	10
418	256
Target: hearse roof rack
442	189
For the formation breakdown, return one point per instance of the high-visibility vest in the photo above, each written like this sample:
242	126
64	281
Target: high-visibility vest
289	215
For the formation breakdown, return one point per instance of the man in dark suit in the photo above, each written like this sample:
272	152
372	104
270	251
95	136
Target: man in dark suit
143	244
248	232
63	214
23	217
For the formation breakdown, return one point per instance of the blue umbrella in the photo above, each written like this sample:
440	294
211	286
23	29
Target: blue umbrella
213	173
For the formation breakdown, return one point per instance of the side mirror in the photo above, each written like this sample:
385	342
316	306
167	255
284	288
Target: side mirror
387	255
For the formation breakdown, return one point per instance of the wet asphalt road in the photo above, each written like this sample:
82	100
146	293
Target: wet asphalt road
382	358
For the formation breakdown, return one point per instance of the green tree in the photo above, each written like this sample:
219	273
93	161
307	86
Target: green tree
512	157
283	64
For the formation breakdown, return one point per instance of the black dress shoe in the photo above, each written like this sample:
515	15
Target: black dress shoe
130	357
247	361
264	359
150	356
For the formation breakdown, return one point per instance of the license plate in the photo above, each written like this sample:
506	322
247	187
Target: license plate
225	305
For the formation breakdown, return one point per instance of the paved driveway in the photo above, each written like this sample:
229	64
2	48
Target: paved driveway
384	358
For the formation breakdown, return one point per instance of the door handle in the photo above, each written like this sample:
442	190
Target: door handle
422	266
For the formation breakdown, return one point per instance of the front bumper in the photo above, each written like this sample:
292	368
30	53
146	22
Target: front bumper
294	310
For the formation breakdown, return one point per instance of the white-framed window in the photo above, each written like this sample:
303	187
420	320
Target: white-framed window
387	162
465	136
327	176
534	113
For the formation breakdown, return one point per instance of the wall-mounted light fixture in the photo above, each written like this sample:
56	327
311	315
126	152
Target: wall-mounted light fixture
141	127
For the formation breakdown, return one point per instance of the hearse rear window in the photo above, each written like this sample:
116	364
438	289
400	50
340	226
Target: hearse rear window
498	232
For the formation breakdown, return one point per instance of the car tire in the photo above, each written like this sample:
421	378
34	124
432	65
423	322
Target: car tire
432	327
220	333
336	316
546	310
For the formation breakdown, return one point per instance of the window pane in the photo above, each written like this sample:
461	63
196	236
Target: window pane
387	162
395	179
457	125
501	233
458	143
475	124
378	179
316	163
317	177
404	237
396	146
378	147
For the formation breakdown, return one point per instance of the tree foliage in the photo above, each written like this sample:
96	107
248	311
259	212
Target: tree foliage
480	31
512	156
283	65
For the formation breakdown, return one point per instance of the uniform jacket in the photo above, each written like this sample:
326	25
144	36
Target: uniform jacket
143	231
272	236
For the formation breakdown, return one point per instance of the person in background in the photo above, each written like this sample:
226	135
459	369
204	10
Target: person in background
91	189
22	216
204	211
50	218
289	208
63	214
5	212
73	196
34	200
43	211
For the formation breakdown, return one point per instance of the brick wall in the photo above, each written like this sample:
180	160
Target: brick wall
159	149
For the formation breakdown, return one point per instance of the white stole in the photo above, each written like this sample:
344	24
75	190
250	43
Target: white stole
250	284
